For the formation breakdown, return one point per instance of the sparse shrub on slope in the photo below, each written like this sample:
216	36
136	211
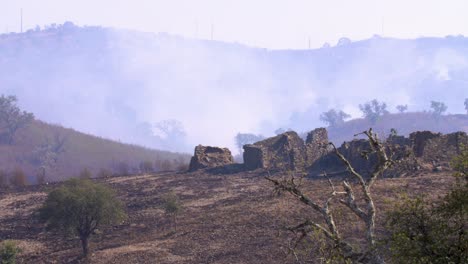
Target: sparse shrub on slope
172	206
3	179
80	207
8	252
85	174
146	166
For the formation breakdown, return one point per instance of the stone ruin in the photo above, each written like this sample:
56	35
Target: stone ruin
286	151
210	157
437	150
422	150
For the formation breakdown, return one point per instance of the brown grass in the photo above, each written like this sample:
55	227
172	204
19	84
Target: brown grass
226	219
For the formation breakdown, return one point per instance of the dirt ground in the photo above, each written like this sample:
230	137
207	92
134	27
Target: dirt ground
226	218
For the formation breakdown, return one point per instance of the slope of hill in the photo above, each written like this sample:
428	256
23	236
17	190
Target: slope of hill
226	219
403	123
62	153
120	83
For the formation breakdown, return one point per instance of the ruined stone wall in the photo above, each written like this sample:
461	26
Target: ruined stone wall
285	152
316	145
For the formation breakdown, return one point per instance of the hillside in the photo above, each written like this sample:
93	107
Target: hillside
404	123
121	83
73	151
233	218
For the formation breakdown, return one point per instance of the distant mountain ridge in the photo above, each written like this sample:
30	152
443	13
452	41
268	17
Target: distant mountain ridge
121	82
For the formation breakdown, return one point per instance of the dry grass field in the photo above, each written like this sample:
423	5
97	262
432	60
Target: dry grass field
227	218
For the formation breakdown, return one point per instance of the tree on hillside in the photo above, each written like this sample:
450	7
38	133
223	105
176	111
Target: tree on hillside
424	231
79	207
3	179
18	179
47	154
402	108
438	108
246	138
146	166
334	117
466	105
373	110
172	133
359	203
11	118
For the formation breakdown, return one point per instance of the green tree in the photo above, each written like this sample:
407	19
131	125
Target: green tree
11	118
373	110
402	108
246	138
79	207
334	117
438	108
8	252
172	206
424	231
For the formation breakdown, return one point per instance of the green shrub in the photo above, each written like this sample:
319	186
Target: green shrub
8	252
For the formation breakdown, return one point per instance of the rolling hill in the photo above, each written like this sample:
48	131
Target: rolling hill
64	153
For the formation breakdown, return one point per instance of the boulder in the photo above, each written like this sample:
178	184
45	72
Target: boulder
210	157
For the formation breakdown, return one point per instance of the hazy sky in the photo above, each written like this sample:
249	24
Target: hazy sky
274	24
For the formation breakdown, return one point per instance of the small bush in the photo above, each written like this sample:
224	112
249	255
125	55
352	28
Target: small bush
85	174
104	173
8	252
172	206
3	179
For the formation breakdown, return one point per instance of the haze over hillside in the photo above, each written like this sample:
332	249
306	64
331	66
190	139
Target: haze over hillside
118	84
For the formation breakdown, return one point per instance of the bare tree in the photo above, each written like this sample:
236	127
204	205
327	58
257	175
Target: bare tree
363	208
12	118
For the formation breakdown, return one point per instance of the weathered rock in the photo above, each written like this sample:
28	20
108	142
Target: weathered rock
210	157
285	152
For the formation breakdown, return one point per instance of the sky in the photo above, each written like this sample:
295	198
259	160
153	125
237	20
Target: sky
272	24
